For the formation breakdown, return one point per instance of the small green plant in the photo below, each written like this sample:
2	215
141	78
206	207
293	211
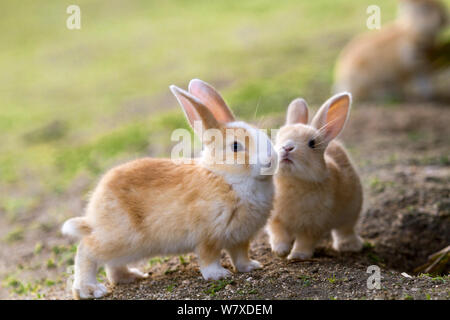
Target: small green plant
183	261
157	260
368	246
247	290
253	291
49	282
216	286
14	284
101	275
170	287
378	185
38	248
20	287
51	263
305	280
14	235
332	280
374	258
63	254
442	279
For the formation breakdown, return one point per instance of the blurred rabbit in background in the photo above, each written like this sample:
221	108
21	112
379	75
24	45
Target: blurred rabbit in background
398	59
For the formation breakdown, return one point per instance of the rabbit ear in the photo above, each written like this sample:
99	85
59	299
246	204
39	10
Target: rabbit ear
332	116
211	99
194	109
297	112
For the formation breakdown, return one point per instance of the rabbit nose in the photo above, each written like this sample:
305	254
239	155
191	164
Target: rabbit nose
288	149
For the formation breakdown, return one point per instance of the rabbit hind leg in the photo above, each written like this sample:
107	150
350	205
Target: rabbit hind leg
85	285
123	274
345	239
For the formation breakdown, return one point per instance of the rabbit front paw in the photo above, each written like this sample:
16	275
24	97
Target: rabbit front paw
214	271
89	291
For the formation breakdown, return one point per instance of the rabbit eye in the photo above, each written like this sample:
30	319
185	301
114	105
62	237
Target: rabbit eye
311	143
236	146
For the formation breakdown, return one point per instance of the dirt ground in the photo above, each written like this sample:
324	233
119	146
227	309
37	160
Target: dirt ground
402	152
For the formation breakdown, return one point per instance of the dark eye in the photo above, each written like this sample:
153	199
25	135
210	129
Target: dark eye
236	146
311	143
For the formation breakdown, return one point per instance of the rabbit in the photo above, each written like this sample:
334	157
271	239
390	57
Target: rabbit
394	61
317	189
151	207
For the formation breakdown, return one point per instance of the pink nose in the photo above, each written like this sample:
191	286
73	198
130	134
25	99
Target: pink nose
288	149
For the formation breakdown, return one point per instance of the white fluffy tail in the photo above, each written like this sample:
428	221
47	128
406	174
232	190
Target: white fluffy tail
76	227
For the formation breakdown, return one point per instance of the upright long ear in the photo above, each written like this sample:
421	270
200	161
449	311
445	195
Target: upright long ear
211	99
194	109
297	112
332	115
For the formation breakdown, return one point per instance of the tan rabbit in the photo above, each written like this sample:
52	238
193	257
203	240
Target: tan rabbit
394	60
153	207
317	189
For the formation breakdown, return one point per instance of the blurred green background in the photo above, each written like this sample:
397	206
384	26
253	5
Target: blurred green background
77	101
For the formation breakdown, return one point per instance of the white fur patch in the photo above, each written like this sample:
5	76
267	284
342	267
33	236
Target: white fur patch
90	291
70	228
264	151
214	271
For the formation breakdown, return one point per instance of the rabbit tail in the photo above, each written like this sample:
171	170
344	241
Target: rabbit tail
76	227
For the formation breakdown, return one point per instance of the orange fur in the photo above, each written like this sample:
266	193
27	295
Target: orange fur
317	188
153	207
385	62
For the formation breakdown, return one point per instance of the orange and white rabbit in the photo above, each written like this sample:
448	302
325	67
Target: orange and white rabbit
153	207
394	60
317	189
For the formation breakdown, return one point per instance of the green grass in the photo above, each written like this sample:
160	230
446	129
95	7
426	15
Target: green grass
30	288
16	234
184	260
157	260
442	279
332	280
170	287
215	286
14	207
305	280
78	102
378	185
